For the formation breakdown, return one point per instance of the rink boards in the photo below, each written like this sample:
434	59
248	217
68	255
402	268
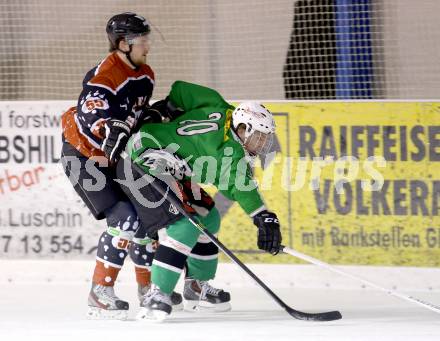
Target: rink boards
352	183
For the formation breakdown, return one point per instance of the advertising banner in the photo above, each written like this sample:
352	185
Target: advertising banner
352	183
40	214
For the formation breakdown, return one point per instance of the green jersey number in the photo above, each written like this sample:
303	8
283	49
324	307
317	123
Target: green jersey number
195	127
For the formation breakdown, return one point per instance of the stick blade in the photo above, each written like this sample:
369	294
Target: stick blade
322	317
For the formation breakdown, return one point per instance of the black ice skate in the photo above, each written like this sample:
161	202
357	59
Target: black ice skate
199	295
104	304
176	298
156	305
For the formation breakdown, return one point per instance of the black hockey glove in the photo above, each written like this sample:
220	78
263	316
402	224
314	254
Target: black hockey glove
116	137
269	235
150	115
167	109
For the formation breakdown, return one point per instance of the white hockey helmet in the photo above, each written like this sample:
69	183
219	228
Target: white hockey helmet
259	123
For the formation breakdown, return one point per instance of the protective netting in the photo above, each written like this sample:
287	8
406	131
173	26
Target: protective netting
305	49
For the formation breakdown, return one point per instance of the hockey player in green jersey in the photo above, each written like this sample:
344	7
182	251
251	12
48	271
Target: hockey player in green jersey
211	142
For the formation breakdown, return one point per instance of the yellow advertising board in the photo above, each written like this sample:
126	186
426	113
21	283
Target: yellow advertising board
352	183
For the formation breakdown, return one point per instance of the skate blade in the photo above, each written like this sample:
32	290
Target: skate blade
151	315
178	307
201	306
95	313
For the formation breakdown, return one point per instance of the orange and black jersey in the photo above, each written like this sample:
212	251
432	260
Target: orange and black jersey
111	90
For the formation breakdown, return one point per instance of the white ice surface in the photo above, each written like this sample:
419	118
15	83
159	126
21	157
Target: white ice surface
55	310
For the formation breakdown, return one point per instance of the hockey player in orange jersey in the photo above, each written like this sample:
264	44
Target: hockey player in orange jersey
114	101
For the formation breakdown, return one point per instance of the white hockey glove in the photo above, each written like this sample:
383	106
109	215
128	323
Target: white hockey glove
163	162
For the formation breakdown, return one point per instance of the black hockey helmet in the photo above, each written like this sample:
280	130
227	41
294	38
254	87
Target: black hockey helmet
126	25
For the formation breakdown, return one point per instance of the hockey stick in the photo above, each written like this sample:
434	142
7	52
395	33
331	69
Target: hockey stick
327	266
175	201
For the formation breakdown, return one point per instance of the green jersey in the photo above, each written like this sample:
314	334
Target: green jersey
203	137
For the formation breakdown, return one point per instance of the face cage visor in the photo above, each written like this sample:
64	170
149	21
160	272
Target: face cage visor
259	143
142	40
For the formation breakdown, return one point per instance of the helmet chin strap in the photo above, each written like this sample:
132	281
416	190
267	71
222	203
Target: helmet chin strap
243	142
235	130
250	157
247	132
127	54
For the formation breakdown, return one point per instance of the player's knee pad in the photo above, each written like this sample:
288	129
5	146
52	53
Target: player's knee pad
142	251
112	249
122	220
